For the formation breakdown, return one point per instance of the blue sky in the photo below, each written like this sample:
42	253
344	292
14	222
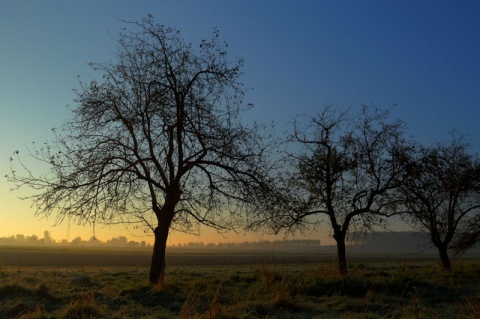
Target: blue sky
423	56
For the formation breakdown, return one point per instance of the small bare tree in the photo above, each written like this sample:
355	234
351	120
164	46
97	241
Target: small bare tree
442	196
156	141
346	172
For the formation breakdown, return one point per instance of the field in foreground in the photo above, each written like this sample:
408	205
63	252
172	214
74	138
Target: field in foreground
373	289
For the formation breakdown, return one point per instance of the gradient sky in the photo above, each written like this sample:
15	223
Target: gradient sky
423	56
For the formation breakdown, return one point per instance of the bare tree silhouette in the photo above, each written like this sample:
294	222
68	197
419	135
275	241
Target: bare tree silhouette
156	141
442	196
345	173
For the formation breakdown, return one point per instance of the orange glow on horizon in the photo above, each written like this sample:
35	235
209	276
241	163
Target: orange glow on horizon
18	217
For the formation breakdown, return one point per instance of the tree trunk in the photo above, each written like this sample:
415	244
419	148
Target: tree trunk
157	267
341	255
444	259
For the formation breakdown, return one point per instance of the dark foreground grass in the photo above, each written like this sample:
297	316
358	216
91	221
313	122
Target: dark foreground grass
372	290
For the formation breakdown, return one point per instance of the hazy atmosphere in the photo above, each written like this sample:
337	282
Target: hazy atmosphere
420	57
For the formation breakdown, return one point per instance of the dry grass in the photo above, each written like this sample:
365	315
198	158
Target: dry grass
372	290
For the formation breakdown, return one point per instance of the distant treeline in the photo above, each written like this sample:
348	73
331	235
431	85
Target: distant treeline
123	241
379	243
248	245
120	241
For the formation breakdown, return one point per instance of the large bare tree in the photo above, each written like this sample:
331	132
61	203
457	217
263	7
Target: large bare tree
442	196
345	172
155	141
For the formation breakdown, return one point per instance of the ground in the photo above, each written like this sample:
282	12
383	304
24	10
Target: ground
237	286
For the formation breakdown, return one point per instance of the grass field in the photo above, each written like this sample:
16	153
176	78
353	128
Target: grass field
265	288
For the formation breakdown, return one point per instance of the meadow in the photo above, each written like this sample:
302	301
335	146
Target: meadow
226	285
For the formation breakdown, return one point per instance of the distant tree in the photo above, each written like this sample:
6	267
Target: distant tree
442	196
93	241
32	239
156	141
133	243
345	173
7	240
77	241
47	237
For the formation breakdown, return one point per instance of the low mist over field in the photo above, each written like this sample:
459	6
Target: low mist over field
377	243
